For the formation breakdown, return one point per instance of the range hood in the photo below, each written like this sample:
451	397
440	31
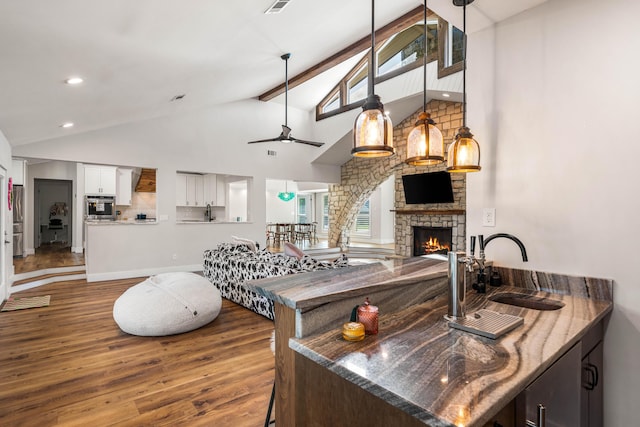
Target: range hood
147	181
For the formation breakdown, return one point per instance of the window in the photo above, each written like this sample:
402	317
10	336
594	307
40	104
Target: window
407	47
303	208
399	53
357	86
455	46
363	220
325	212
332	104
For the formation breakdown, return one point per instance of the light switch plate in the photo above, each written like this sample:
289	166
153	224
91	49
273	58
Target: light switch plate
489	217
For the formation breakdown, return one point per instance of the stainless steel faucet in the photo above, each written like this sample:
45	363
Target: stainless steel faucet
459	264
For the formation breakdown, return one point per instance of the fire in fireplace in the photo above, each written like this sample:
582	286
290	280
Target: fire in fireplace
431	240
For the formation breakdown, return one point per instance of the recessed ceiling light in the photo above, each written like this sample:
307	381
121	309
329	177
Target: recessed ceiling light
446	95
66	125
74	81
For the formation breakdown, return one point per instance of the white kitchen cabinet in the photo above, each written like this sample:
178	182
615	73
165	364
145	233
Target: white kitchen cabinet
210	189
190	190
123	196
195	190
100	180
221	192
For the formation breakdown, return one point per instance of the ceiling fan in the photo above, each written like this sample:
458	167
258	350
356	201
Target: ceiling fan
285	136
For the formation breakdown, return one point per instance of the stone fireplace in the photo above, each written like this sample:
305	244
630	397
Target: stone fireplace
360	177
408	221
431	240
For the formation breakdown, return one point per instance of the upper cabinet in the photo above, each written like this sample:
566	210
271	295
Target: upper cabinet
100	180
190	190
123	180
214	190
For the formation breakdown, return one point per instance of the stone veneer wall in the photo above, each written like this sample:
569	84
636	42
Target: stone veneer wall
360	177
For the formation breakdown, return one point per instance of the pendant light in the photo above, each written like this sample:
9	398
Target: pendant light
425	145
464	152
286	195
373	130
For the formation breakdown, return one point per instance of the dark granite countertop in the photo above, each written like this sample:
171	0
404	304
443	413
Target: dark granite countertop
422	366
417	362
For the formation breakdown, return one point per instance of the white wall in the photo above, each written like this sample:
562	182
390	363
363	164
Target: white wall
209	140
552	96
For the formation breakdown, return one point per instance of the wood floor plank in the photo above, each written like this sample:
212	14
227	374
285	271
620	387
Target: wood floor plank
69	364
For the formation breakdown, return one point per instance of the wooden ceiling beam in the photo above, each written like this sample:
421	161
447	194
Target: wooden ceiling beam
350	51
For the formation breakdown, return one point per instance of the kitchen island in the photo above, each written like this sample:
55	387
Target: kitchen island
416	370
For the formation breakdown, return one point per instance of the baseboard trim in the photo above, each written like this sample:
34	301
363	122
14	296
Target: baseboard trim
145	272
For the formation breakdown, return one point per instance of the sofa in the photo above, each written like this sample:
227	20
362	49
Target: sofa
230	265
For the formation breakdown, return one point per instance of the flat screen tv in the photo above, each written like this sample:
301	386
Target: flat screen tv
433	187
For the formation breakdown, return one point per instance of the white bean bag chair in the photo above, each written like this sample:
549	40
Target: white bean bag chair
167	304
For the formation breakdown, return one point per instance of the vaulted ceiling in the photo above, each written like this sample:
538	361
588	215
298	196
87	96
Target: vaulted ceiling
136	56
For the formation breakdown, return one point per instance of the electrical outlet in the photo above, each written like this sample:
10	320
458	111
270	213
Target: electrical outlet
175	256
489	217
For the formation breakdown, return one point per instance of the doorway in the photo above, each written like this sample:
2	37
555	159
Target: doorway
52	213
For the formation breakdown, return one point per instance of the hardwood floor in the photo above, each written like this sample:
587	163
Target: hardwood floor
48	256
69	364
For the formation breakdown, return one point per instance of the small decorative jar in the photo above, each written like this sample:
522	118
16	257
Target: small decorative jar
368	316
353	331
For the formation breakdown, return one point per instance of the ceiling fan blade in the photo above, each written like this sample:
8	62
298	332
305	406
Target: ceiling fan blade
285	136
264	140
302	141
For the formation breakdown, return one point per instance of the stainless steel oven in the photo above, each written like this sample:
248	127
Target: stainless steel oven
100	208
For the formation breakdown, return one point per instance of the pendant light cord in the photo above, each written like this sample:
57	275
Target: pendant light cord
286	87
464	64
373	44
424	61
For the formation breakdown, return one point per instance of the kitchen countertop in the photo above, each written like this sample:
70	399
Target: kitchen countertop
420	365
122	222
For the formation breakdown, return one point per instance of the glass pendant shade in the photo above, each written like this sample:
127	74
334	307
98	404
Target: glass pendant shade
286	196
464	153
425	144
373	131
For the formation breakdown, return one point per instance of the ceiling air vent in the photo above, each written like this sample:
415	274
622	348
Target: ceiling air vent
271	153
277	6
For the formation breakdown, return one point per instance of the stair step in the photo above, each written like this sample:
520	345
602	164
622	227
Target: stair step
33	279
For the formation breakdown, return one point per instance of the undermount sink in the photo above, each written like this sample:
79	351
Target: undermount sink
527	301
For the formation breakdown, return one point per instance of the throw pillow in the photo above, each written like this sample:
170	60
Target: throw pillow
292	250
249	243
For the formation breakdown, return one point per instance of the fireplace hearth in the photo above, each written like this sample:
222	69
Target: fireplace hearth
431	240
